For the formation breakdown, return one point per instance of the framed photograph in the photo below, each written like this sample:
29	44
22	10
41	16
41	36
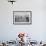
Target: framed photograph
22	17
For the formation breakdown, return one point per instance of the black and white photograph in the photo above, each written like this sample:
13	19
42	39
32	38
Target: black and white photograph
22	17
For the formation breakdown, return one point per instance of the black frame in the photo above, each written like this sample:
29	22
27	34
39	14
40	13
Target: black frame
23	23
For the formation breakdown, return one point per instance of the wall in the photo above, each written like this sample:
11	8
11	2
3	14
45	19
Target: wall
9	31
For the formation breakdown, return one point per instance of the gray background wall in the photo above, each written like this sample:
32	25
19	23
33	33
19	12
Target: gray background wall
37	30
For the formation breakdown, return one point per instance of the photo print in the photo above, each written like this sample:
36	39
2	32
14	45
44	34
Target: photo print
22	17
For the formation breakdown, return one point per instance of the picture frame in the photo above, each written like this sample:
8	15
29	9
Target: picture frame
22	17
